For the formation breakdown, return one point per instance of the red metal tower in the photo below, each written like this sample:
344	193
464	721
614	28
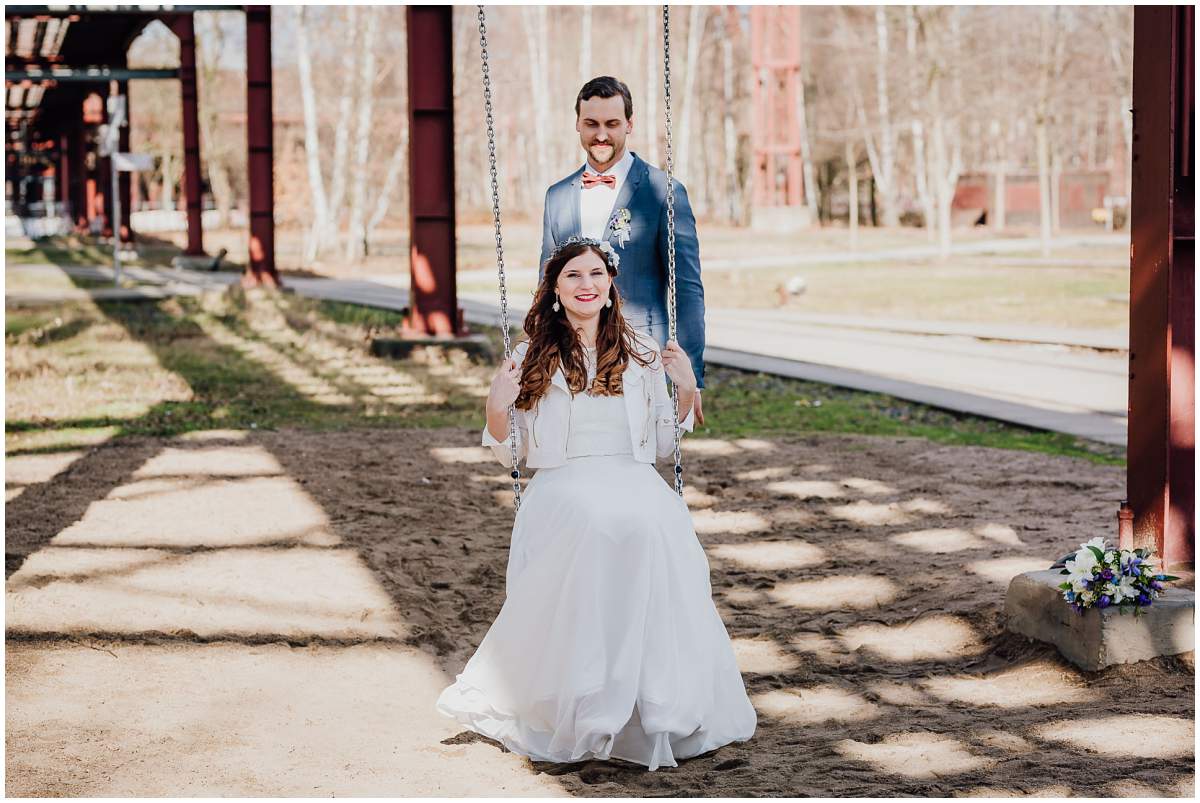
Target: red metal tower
775	55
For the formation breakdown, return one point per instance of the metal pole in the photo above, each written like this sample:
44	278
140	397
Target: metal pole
116	199
260	271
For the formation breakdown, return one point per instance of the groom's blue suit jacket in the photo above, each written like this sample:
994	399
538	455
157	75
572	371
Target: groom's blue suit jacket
642	274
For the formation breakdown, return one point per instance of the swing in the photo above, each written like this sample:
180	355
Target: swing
491	138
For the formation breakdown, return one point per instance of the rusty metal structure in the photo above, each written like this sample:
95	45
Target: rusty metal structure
775	57
62	62
1162	326
433	295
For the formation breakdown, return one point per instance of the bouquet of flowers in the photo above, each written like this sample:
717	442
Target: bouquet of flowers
1098	577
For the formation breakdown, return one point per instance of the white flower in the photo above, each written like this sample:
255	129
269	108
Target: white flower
1097	542
1125	589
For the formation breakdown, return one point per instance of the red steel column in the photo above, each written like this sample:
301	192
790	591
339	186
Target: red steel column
184	27
63	171
1161	473
433	299
260	161
125	178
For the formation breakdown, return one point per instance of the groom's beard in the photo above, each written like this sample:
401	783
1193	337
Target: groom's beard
603	154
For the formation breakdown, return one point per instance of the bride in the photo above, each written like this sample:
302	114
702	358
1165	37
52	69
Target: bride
608	644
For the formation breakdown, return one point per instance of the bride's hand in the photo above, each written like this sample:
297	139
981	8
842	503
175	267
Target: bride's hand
506	386
678	367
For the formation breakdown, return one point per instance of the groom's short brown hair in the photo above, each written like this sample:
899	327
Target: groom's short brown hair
605	87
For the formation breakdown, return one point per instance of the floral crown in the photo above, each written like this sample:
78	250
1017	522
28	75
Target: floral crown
610	254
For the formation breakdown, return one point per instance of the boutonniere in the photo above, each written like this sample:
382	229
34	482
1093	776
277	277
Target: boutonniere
620	226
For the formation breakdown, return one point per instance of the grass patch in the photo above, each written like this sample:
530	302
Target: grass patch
82	373
739	404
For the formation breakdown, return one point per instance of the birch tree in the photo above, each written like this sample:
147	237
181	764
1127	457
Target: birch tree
733	201
341	140
312	140
653	65
920	82
536	36
696	25
356	247
585	45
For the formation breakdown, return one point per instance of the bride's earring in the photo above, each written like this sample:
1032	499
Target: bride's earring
608	301
555	305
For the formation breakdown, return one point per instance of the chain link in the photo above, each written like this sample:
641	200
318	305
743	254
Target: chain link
671	312
491	137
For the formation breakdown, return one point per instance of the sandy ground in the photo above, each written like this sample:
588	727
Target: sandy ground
275	613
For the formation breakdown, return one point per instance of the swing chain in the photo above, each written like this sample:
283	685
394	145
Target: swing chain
491	137
671	313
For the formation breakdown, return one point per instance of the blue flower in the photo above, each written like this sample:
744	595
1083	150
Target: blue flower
1070	596
1143	598
1103	601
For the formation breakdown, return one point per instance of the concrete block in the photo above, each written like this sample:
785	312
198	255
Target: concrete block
477	346
1099	638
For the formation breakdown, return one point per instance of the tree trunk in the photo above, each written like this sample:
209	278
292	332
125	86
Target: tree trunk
341	137
168	181
585	45
916	124
654	49
312	142
535	39
733	205
356	246
398	160
852	184
885	178
1000	204
696	24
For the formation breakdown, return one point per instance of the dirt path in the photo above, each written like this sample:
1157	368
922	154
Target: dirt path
274	614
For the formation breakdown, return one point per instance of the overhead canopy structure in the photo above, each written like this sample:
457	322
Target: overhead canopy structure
63	62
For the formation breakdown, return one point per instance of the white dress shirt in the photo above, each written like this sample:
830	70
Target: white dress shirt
596	203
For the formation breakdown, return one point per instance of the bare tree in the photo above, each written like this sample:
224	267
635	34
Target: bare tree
312	140
356	246
920	82
733	200
653	65
343	124
536	35
1050	51
585	44
696	25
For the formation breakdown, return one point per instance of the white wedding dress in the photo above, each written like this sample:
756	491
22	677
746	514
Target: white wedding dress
608	643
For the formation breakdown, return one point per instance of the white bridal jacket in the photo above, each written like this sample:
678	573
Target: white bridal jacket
542	431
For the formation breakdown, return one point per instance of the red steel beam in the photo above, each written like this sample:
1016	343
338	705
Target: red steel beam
433	299
260	162
185	29
125	179
1161	468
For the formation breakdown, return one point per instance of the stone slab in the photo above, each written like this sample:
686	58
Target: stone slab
400	348
1099	638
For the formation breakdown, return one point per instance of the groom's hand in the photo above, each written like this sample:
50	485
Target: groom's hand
698	410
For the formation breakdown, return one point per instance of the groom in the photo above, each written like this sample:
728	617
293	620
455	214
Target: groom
618	198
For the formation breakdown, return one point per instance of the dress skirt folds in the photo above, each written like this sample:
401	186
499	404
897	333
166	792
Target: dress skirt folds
608	644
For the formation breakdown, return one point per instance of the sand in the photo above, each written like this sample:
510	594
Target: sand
274	613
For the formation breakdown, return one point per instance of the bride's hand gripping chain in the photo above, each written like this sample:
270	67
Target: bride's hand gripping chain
679	367
506	386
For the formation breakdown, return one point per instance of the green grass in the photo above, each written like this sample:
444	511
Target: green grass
739	404
80	373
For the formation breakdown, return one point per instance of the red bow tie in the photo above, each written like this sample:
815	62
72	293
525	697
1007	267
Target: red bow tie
592	179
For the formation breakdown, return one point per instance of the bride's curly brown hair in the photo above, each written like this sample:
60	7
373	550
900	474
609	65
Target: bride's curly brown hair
554	342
